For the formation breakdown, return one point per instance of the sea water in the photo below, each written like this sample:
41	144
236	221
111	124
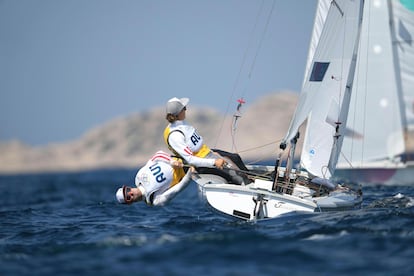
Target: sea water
71	224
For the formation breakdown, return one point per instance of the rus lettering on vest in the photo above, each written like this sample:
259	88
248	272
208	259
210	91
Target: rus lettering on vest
195	138
156	171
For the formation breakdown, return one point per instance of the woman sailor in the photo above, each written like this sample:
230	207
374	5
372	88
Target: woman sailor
184	141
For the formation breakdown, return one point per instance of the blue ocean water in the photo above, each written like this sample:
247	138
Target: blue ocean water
70	223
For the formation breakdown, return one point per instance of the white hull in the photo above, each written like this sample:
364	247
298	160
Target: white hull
369	175
257	201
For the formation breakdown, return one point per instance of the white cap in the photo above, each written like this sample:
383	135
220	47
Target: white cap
175	105
120	195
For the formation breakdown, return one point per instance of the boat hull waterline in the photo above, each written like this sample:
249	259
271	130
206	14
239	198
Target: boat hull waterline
257	201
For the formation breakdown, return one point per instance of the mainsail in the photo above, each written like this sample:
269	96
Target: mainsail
325	93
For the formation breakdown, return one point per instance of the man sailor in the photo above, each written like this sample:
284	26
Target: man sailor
158	182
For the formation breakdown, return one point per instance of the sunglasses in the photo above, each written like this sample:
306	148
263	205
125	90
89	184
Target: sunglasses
127	197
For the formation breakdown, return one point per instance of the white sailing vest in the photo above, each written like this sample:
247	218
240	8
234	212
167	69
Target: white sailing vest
155	176
193	140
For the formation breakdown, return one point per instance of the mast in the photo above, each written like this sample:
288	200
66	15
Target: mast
397	71
340	124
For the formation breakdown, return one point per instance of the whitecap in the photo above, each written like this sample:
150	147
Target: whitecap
318	237
125	241
409	200
399	195
165	238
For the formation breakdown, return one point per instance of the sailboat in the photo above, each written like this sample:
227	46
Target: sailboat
279	190
381	114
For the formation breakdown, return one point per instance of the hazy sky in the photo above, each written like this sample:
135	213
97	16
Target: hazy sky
69	65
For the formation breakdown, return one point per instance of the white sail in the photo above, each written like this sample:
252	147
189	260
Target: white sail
319	21
323	93
378	115
403	22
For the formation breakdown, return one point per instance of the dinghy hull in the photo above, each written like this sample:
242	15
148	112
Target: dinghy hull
257	201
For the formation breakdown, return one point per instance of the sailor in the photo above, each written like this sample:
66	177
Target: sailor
185	142
159	181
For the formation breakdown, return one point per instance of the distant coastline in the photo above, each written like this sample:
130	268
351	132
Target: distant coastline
127	142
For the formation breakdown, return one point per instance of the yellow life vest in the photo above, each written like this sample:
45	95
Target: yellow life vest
178	175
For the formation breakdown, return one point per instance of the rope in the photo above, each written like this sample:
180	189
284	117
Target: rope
346	159
259	147
262	146
264	176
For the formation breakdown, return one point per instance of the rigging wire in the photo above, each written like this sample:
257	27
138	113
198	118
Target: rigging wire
347	160
240	69
262	38
241	101
259	147
340	98
364	122
237	114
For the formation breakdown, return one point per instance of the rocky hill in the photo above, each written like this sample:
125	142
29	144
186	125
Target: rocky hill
129	141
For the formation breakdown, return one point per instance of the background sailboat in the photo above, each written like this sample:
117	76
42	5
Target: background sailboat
375	149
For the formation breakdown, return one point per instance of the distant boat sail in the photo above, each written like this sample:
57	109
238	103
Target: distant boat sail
381	112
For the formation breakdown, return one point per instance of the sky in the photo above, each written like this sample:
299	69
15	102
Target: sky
68	66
